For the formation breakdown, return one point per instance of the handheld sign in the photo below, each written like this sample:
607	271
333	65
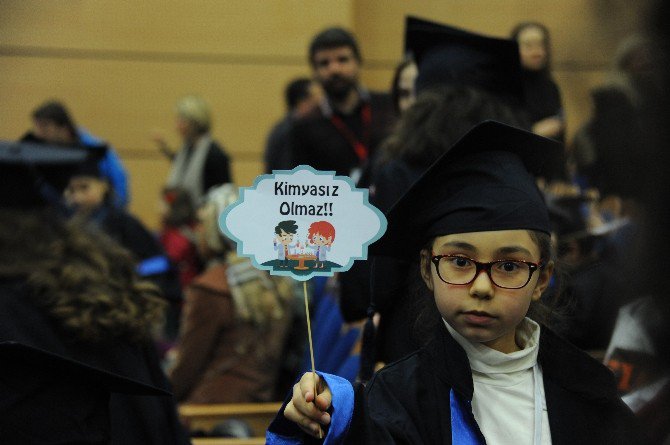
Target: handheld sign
303	223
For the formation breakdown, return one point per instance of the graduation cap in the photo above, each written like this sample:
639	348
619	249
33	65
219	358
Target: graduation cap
446	55
47	398
569	219
567	215
34	173
485	182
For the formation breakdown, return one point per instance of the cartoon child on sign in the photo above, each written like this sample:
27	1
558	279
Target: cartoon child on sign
285	231
320	237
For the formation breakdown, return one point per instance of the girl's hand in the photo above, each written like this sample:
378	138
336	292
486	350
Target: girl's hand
309	413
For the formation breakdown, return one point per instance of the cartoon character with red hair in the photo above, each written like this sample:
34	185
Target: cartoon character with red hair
320	237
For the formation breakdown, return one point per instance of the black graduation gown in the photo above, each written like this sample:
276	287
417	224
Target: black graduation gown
541	94
130	233
408	401
133	419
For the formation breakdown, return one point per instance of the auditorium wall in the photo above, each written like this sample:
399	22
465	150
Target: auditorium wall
120	66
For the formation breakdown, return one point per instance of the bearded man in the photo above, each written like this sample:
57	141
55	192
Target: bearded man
342	134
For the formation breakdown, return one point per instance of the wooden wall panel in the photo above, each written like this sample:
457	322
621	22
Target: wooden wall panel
248	28
121	65
583	31
585	35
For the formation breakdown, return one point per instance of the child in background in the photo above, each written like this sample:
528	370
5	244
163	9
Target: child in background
477	230
178	234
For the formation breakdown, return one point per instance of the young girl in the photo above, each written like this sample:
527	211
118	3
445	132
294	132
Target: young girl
478	226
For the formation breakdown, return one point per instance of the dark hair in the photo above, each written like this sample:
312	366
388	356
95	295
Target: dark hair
333	38
82	280
296	91
395	89
440	117
56	112
547	39
287	226
427	319
181	210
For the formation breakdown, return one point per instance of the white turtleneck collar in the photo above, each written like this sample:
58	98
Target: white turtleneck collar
507	388
489	361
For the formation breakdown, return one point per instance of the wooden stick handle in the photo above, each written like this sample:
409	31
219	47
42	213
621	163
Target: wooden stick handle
311	346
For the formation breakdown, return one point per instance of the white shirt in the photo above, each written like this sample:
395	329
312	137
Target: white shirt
503	403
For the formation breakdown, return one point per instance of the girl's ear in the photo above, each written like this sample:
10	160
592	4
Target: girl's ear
425	269
543	282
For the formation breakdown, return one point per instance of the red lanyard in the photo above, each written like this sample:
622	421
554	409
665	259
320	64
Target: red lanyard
360	147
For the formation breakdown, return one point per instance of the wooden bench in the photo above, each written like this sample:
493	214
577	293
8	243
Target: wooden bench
205	417
227	441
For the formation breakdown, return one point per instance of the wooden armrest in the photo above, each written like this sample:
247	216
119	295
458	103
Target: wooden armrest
205	417
229	409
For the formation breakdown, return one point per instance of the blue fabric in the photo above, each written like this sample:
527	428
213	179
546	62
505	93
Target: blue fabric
110	167
349	369
339	352
318	289
463	430
341	413
153	266
342	408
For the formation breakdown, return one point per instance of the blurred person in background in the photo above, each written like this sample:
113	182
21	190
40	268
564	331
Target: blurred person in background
201	163
638	352
88	195
403	92
177	237
53	124
235	321
178	234
542	96
343	133
302	96
607	145
75	293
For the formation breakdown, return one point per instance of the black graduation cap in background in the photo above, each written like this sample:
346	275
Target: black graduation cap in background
567	216
485	182
34	173
446	55
47	398
569	220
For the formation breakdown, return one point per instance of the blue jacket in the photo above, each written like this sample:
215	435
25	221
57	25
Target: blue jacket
110	167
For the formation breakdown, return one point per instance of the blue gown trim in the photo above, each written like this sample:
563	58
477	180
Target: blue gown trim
153	266
341	415
463	430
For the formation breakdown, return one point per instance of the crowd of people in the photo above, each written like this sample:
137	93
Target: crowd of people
513	272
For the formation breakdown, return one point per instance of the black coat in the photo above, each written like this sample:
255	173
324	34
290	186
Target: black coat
131	234
133	419
316	142
217	167
408	402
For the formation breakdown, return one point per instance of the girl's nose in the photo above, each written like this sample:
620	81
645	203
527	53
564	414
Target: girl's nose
482	286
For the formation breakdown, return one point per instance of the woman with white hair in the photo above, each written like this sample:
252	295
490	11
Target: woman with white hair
201	163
